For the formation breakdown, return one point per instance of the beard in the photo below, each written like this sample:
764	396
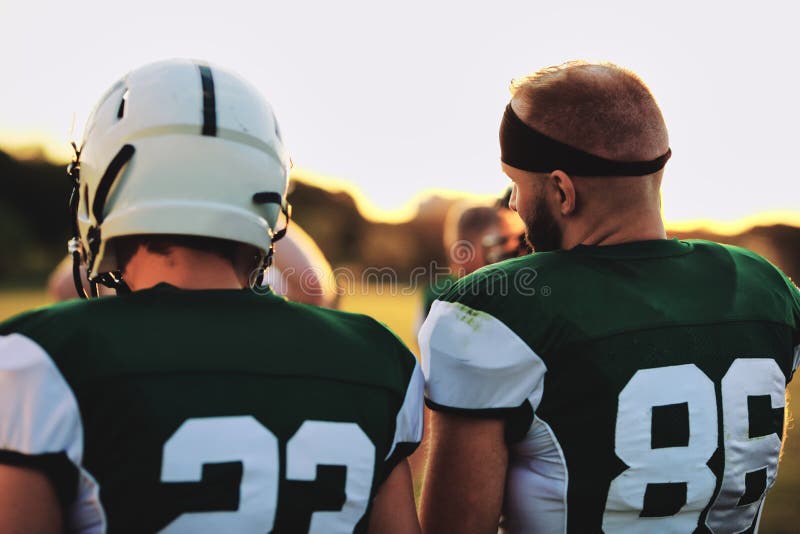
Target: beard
541	228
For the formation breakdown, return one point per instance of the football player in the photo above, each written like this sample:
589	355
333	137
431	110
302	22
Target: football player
614	380
475	235
193	403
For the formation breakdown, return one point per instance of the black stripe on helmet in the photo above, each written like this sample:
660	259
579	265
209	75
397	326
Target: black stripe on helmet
209	101
104	186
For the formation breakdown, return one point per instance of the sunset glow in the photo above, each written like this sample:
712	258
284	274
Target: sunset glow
397	101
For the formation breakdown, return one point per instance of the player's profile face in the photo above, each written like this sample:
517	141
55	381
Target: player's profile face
542	231
520	182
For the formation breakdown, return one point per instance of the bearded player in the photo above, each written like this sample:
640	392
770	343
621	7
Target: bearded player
615	380
191	403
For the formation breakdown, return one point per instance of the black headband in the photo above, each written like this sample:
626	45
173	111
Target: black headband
524	148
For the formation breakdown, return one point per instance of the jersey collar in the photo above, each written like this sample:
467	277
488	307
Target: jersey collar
656	248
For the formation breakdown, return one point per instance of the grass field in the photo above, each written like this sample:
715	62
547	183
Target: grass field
781	512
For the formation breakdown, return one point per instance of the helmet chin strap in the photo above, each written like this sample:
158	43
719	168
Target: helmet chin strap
113	280
270	197
74	246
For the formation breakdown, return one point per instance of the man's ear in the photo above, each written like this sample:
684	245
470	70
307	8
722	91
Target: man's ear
565	189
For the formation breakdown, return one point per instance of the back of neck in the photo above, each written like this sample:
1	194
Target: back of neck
181	267
622	228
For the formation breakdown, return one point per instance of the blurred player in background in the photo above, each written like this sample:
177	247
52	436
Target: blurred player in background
474	236
300	272
191	403
623	381
509	239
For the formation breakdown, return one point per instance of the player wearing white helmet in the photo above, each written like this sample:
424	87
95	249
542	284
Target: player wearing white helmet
190	403
202	155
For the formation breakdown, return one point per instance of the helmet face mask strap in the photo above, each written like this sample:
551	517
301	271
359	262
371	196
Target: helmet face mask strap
111	280
74	247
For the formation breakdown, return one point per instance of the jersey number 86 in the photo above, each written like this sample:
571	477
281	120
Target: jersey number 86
684	467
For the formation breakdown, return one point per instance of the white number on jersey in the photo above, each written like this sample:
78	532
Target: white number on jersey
687	465
743	454
324	443
659	387
207	440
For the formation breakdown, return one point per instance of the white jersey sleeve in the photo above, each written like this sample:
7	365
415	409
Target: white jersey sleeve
408	427
39	416
408	421
473	361
38	412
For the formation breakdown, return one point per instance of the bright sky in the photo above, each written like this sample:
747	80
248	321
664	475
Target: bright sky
399	97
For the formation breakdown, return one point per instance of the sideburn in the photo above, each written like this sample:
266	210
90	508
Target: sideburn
541	228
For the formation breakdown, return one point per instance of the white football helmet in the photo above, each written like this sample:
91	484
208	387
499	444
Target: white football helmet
179	147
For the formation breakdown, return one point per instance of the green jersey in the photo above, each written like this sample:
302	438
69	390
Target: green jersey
435	290
432	292
643	384
207	411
